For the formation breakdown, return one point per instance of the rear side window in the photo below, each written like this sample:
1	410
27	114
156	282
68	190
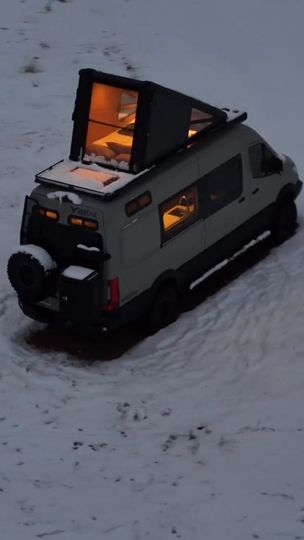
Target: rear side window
137	204
178	212
221	186
261	160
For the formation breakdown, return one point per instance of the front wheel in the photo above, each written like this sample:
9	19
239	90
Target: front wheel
164	310
285	222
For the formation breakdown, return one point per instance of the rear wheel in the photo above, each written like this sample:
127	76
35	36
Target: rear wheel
285	222
164	310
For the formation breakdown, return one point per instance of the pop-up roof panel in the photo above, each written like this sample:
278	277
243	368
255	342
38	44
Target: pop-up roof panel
130	125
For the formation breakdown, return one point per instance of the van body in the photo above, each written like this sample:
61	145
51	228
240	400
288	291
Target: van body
105	242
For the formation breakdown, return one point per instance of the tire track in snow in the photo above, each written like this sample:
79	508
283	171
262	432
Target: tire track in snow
4	301
234	324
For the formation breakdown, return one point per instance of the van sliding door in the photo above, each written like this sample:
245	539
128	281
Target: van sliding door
223	204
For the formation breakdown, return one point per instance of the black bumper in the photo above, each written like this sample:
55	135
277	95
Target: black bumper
108	322
103	321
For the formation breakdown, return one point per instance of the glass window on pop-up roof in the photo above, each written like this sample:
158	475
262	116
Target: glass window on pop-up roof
111	125
199	121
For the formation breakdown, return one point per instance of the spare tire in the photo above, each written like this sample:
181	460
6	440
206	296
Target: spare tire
27	276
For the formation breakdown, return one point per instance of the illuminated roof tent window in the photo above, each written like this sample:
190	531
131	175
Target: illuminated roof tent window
131	125
199	121
111	125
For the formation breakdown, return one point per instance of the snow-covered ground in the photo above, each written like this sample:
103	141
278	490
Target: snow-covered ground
198	431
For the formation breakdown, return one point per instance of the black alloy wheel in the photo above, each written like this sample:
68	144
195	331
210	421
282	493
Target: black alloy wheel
164	310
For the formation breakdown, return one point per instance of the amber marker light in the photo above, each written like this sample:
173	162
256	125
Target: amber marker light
46	212
51	214
90	224
73	220
81	222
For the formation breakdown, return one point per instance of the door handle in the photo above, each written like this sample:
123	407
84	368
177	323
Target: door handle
255	191
242	199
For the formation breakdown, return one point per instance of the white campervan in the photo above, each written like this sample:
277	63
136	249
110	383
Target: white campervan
159	188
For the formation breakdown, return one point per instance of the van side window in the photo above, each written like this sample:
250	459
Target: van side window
221	186
179	212
262	161
137	204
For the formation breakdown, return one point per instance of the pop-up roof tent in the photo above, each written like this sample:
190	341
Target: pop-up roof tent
131	125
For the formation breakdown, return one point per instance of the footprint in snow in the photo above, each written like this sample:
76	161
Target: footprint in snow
131	413
185	440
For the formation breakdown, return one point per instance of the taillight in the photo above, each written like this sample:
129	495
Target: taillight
46	212
82	222
113	294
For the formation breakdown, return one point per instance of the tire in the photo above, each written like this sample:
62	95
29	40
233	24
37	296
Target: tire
27	277
163	311
285	222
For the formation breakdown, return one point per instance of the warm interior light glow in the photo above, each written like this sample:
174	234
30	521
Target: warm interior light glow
111	123
90	174
123	136
199	121
180	209
176	214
